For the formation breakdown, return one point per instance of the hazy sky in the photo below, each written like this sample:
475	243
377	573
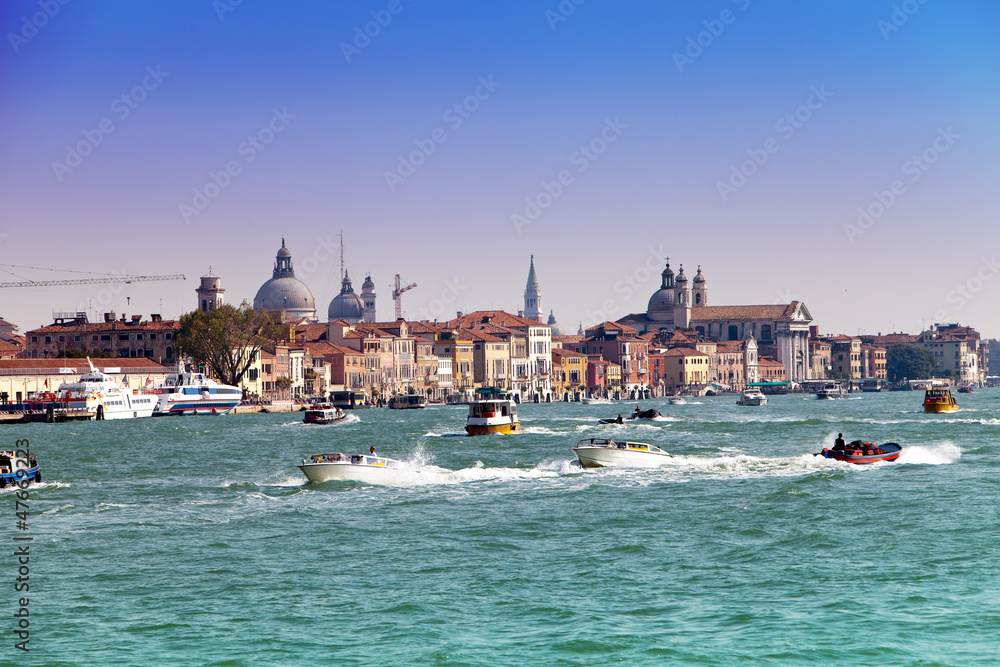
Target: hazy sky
843	153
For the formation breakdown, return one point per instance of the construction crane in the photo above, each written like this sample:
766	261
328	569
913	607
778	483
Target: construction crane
398	293
92	281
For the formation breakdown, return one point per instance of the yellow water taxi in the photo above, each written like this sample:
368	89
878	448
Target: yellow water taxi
939	400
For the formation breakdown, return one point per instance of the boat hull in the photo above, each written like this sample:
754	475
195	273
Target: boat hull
937	408
487	429
890	452
605	457
374	470
195	408
11	478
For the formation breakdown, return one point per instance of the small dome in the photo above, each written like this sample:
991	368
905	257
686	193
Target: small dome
368	285
556	329
283	251
681	278
347	305
699	278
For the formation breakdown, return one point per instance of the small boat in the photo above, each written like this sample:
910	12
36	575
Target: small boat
18	470
751	397
593	401
644	414
323	414
616	420
368	468
602	453
966	389
863	452
407	402
677	400
939	400
495	415
831	390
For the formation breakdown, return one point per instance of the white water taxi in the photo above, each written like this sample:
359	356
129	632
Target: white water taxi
602	453
323	414
492	416
184	393
751	397
368	468
677	400
831	390
407	402
99	393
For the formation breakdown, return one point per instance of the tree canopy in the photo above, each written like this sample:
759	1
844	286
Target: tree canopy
905	361
226	339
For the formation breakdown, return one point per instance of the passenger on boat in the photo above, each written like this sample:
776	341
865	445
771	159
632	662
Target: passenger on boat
620	420
838	444
371	451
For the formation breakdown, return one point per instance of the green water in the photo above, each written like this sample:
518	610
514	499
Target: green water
195	540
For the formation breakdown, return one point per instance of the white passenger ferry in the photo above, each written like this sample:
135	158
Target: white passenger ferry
98	393
184	393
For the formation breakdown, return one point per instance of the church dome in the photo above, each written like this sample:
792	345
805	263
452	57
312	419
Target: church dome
681	278
699	278
347	305
368	285
661	304
284	291
556	329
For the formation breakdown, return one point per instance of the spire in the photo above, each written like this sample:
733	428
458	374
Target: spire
532	278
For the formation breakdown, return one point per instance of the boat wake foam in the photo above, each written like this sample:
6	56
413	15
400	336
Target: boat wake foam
937	454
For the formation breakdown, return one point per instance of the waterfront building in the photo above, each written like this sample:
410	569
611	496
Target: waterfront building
845	357
771	370
210	293
620	345
684	367
781	331
21	377
873	361
597	376
569	373
284	292
11	344
126	337
737	365
957	352
451	345
490	358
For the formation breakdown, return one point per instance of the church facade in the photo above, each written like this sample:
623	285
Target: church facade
781	331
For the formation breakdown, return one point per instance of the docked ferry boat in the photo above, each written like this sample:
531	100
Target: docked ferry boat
939	400
348	400
407	402
497	415
184	393
98	393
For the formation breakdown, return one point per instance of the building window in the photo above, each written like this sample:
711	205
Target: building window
106	337
733	332
152	336
48	339
122	336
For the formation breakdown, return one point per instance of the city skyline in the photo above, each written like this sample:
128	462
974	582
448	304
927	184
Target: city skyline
835	154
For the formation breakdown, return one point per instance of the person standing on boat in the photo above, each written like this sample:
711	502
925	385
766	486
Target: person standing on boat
838	444
371	452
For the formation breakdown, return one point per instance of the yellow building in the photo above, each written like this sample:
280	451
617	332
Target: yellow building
458	348
569	373
685	367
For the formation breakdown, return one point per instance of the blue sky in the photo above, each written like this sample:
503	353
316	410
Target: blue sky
739	135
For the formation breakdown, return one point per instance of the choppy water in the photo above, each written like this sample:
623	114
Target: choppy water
195	540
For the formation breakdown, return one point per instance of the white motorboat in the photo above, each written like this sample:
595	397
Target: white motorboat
184	393
98	392
368	468
18	468
677	400
831	390
594	401
323	414
603	453
750	396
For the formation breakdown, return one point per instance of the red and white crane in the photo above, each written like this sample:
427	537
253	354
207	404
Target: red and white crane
397	294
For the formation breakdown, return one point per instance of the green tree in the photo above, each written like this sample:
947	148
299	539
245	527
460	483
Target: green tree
226	339
993	352
905	361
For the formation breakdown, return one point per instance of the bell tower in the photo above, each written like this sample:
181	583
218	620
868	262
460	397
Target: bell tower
532	295
682	301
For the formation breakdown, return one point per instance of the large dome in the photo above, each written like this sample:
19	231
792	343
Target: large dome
661	304
347	305
284	291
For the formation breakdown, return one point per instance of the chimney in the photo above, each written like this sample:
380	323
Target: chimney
813	332
109	317
156	317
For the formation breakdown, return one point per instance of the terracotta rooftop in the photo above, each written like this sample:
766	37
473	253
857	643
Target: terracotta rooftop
767	312
497	317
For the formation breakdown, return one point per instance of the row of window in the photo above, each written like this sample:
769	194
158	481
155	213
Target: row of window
104	337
